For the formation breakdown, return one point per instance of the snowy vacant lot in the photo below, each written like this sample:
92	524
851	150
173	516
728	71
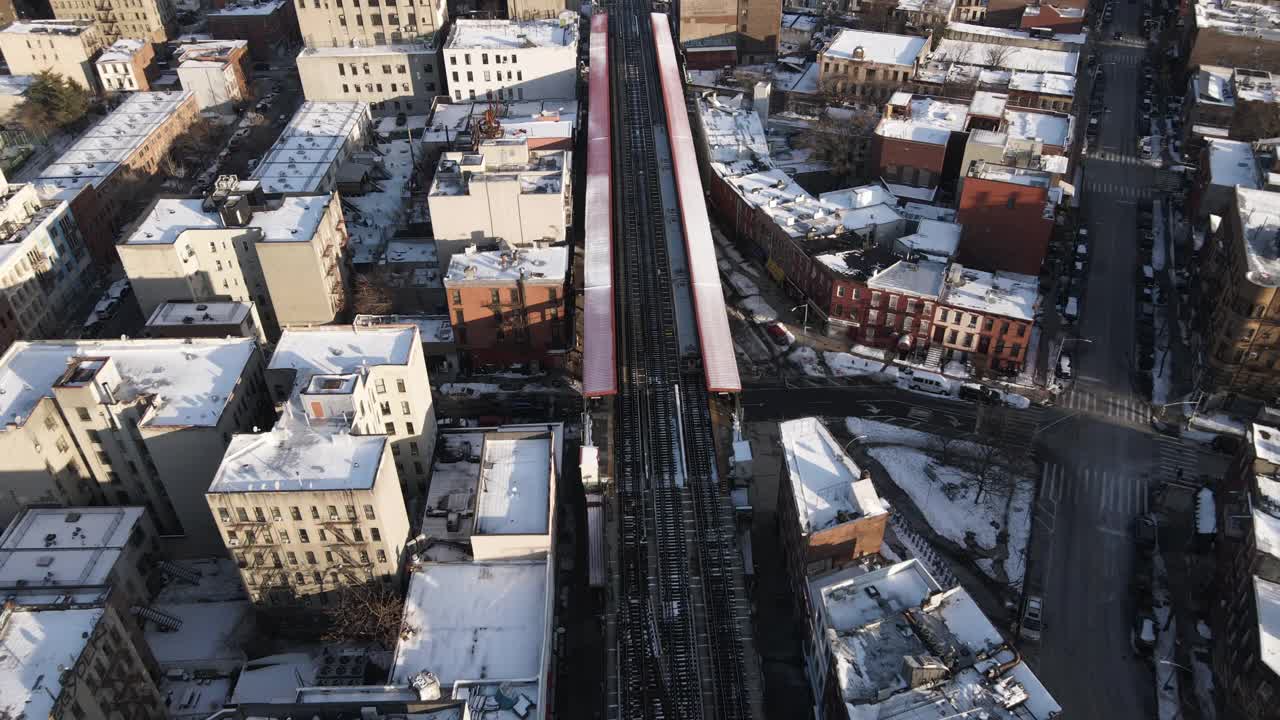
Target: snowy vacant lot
976	496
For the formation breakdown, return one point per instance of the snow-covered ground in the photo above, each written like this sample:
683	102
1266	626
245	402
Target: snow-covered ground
947	495
373	218
742	284
846	365
1167	669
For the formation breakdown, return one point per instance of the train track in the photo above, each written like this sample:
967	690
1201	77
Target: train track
678	616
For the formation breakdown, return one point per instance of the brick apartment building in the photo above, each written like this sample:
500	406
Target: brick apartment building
912	143
829	515
509	306
986	319
1007	217
867	67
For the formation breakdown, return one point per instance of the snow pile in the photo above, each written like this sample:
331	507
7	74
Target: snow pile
955	369
1219	423
1019	402
758	309
865	351
471	389
846	365
1206	512
945	495
806	358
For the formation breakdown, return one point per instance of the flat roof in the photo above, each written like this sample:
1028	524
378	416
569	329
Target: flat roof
248	7
295	456
34	648
1011	34
1048	128
474	621
48	27
884	48
214	312
931	121
98	152
828	487
75	546
1266	443
188	378
1009	57
1002	293
531	264
340	350
301	157
848	604
431	328
920	279
121	50
515	485
532	119
1231	163
1045	83
511	35
1260	224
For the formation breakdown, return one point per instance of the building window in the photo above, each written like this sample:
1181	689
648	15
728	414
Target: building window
303	537
315	513
295	513
400	387
368	513
374	534
224	515
311	558
83	413
382	556
284	537
413	448
408	428
242	515
390	428
404	407
380	385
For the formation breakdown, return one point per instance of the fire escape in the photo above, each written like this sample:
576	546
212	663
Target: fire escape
356	564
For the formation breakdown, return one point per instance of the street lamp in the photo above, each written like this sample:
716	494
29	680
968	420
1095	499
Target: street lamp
806	315
852	441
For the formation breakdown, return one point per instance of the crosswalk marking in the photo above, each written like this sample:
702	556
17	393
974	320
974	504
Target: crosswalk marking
1175	455
1123	494
1119	190
1127	408
1115	157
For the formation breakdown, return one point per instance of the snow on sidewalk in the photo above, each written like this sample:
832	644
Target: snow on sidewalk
758	309
847	365
806	358
1166	675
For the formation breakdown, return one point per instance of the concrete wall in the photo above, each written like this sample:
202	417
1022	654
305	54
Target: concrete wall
534	73
37	470
67	55
393	79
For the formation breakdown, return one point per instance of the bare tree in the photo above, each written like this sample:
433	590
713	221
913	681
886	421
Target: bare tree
840	137
370	298
997	55
1255	120
365	613
945	446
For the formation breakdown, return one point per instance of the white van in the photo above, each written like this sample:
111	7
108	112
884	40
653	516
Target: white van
1071	312
925	382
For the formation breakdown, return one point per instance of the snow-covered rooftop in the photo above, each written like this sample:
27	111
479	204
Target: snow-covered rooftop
189	380
920	279
1003	293
1260	223
511	34
880	618
339	350
121	50
212	312
532	119
314	139
35	647
1232	163
863	196
65	546
884	48
937	239
1048	128
474	621
1243	19
96	154
932	121
532	264
515	485
48	27
988	104
1044	83
828	487
295	456
1007	57
431	328
15	84
293	218
1267	596
1266	443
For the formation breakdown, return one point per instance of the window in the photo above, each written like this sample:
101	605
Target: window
404	407
311	558
259	515
242	515
470	76
1012	202
224	515
390	428
382	556
315	513
295	513
303	537
284	537
486	76
385	407
364	557
351	512
374	534
358	534
494	297
893	302
275	514
839	291
417	467
83	413
333	512
380	386
520	75
232	536
838	310
875	298
408	428
368	512
400	387
395	450
457	295
890	319
323	536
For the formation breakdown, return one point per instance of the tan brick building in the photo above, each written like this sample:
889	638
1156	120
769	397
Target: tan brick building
867	67
150	20
67	47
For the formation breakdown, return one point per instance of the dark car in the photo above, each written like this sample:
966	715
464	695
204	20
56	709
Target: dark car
980	393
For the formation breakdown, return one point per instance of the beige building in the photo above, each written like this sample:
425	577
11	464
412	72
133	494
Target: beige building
123	67
285	254
381	371
505	191
512	60
44	264
868	67
1240	274
386	56
150	20
715	33
67	47
391	78
311	508
131	422
72	661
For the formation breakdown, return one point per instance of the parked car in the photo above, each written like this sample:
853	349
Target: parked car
1032	618
979	393
1144	633
1063	370
779	334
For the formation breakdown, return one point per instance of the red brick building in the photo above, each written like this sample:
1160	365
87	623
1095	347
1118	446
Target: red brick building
1007	217
1058	18
911	143
986	319
509	307
892	307
269	26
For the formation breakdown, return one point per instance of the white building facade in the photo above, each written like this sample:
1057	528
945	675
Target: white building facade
512	60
